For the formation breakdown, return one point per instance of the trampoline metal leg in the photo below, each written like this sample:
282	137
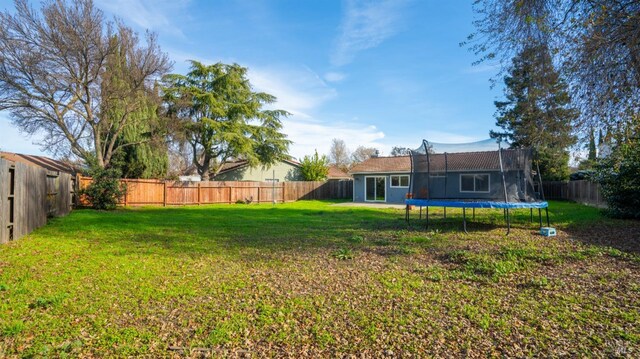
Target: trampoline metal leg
420	213
474	213
464	219
426	215
445	212
530	215
540	217
508	221
406	214
547	210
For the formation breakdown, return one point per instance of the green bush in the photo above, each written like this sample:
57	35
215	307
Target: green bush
314	168
619	180
105	189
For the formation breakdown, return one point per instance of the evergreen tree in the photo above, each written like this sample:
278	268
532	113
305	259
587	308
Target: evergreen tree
537	111
222	118
592	146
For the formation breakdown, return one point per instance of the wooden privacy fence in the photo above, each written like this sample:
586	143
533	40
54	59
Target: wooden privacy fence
29	195
583	191
158	192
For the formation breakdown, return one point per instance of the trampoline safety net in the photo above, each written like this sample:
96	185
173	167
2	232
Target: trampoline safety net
479	171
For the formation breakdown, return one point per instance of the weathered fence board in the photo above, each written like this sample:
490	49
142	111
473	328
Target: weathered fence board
29	195
5	184
157	192
584	191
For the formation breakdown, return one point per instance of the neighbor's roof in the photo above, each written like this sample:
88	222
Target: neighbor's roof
233	165
383	164
40	161
337	173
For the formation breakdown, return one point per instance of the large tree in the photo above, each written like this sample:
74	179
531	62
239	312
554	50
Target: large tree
339	154
537	112
597	42
363	153
52	68
141	147
222	118
400	151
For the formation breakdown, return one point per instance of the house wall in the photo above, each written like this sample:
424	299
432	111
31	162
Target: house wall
397	195
284	172
394	195
496	190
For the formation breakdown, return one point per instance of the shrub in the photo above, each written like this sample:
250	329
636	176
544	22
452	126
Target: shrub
105	189
314	168
620	182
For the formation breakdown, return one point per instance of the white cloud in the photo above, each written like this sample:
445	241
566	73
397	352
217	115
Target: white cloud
298	91
334	76
365	25
154	15
310	136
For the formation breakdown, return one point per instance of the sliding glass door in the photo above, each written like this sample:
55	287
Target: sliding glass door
375	189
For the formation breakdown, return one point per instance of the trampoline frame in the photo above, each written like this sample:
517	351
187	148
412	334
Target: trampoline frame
473	203
505	206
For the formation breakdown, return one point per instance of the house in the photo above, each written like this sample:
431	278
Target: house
283	171
47	163
335	173
381	179
461	176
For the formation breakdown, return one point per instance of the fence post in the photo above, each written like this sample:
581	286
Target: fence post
126	192
198	193
284	191
230	194
164	194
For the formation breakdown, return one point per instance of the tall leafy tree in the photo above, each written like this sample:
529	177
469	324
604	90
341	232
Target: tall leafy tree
52	67
537	112
141	147
596	41
222	118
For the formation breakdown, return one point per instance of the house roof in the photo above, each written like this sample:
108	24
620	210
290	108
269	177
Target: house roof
512	159
232	165
383	164
40	161
337	173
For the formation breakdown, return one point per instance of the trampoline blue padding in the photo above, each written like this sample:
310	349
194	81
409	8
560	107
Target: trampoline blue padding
473	204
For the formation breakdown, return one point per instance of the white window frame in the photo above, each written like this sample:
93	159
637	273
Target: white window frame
474	182
399	181
365	189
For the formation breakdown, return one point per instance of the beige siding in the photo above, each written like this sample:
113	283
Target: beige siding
284	172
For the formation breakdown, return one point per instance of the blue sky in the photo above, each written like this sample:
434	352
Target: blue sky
373	73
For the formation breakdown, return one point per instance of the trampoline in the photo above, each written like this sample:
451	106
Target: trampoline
474	175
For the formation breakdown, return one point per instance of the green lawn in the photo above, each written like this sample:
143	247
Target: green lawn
313	279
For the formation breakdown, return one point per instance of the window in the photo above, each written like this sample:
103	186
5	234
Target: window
374	188
400	181
474	183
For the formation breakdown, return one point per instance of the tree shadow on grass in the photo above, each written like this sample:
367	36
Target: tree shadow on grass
623	235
